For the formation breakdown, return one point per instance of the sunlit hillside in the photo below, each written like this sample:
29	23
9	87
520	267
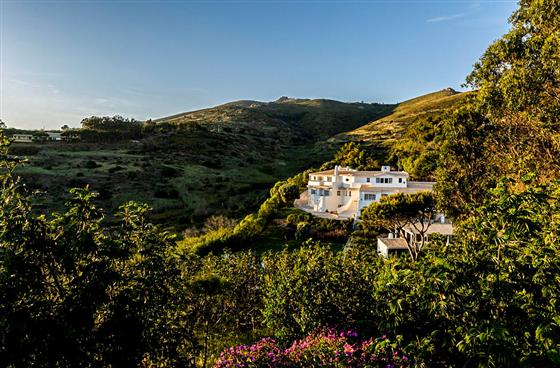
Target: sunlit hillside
386	130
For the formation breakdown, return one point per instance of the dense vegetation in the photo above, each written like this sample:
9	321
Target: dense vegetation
218	161
79	291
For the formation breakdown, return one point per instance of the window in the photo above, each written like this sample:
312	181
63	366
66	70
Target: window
320	178
326	193
383	180
347	179
384	195
369	197
400	180
338	193
312	191
328	178
367	180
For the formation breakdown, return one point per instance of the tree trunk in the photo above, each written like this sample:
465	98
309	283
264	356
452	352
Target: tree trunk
205	356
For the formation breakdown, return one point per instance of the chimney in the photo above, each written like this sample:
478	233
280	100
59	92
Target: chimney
335	170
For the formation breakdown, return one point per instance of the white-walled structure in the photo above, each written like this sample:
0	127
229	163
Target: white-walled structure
54	136
23	138
344	192
398	241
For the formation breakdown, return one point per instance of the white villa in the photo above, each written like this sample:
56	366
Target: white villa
343	192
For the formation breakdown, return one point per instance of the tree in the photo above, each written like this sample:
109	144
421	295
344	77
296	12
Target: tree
511	127
78	293
2	125
395	212
109	129
465	168
518	73
288	193
64	127
208	290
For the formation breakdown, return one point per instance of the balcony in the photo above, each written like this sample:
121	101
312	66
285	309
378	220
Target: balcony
320	183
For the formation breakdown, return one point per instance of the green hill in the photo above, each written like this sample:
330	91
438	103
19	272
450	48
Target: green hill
385	130
224	159
288	119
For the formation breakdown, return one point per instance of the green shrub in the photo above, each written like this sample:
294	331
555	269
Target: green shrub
24	150
303	231
114	169
169	172
90	164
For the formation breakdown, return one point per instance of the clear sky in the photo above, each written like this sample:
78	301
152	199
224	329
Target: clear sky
64	60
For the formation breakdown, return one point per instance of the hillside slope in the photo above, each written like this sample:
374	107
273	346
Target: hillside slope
386	130
288	119
221	160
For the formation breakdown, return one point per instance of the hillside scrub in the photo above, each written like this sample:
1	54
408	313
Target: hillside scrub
411	137
238	237
352	155
78	292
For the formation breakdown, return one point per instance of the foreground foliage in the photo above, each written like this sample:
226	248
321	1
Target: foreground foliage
322	348
510	129
78	292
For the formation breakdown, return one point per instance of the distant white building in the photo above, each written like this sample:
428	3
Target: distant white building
54	136
22	138
343	192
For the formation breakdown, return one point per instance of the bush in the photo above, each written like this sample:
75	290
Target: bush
303	231
90	164
169	172
169	193
288	193
24	150
314	286
323	348
295	218
114	169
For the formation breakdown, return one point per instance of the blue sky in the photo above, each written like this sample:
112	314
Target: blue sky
64	60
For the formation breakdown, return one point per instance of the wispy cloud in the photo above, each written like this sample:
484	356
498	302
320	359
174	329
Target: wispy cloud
446	18
50	87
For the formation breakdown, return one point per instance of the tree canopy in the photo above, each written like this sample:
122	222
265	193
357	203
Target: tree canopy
395	212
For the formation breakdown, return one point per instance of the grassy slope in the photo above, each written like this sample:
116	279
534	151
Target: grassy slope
384	131
300	120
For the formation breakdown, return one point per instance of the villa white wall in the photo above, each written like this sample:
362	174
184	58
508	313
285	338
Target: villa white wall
372	181
382	249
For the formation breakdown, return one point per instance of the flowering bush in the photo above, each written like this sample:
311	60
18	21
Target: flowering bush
323	348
